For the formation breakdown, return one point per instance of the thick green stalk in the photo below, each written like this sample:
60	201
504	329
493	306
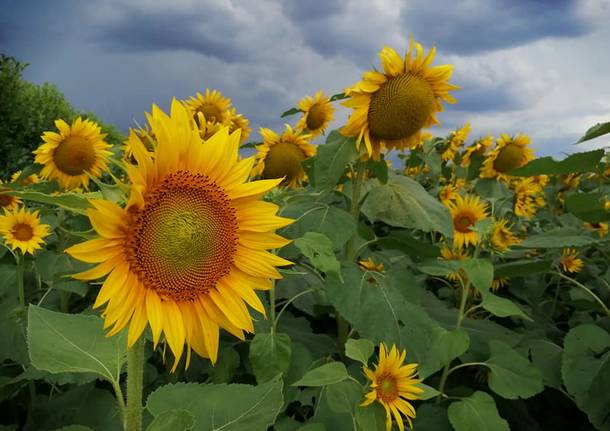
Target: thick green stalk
135	379
20	259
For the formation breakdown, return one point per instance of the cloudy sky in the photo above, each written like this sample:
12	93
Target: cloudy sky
535	66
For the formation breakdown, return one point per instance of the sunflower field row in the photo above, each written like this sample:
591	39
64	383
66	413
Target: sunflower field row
371	277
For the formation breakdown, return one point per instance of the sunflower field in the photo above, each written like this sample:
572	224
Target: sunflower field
371	277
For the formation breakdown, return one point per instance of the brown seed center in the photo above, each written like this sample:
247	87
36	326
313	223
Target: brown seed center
463	221
23	232
74	155
284	160
510	157
316	117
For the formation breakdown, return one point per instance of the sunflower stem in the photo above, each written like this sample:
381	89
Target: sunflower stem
355	206
272	308
135	379
586	289
20	260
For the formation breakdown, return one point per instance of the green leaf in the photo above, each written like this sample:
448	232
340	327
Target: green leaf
519	268
338	225
575	163
327	374
74	428
432	417
224	407
403	202
480	272
476	413
60	343
586	371
502	307
320	252
172	420
359	350
291	111
370	418
598	130
512	376
428	393
557	238
338	96
546	356
270	355
437	267
75	202
492	189
379	168
331	160
446	346
587	206
343	397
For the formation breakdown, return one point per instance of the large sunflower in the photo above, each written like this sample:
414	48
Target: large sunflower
189	250
281	156
392	107
213	105
510	153
22	229
317	113
466	212
393	385
455	141
74	154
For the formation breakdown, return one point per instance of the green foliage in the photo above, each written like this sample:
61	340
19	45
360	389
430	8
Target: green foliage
576	163
596	131
477	412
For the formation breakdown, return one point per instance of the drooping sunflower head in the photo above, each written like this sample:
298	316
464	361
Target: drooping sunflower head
455	141
280	156
528	196
391	107
454	254
501	236
318	112
146	137
600	228
466	212
393	384
510	153
7	201
189	249
27	181
370	265
236	121
74	154
479	147
448	193
499	283
569	260
212	105
21	229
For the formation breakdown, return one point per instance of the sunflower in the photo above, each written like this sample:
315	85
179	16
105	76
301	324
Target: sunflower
27	181
317	113
370	265
74	154
393	385
528	197
281	156
146	137
499	283
392	107
510	153
570	261
454	254
7	201
213	106
466	212
238	121
600	228
479	147
448	193
502	237
456	140
22	229
189	250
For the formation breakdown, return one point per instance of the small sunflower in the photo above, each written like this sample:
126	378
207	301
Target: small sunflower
454	254
502	237
370	265
27	181
499	283
7	201
466	212
146	137
281	156
448	193
569	261
455	141
510	153
318	112
393	385
212	105
391	108
479	147
22	229
74	154
600	228
528	197
189	250
570	181
236	121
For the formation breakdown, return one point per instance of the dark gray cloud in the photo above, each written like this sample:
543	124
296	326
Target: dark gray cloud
472	27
